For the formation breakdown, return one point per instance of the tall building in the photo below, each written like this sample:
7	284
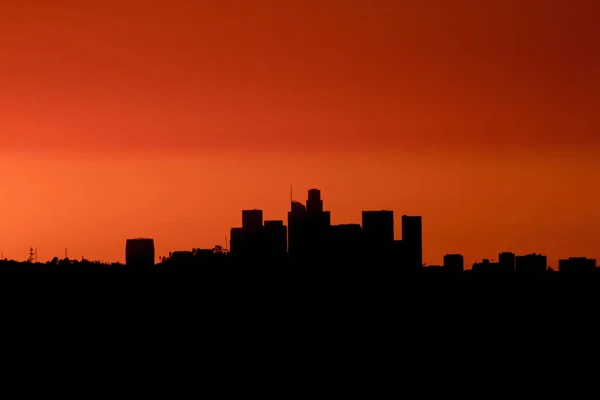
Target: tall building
314	204
252	220
237	244
308	227
297	229
248	241
454	263
275	237
139	253
412	238
378	227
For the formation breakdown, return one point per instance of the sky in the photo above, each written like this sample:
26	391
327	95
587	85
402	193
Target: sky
165	119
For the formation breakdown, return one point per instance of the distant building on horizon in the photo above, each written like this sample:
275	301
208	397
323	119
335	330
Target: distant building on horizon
139	253
258	239
486	266
182	257
531	264
454	263
507	262
247	241
577	265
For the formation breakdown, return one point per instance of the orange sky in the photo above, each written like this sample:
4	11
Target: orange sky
166	118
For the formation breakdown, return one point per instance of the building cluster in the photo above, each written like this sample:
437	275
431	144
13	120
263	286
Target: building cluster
310	237
526	264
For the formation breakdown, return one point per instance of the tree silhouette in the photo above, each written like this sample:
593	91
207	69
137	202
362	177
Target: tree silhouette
218	249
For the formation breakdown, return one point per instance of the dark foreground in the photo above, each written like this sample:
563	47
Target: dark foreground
297	328
301	284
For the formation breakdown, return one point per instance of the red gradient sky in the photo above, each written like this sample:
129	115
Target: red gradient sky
165	118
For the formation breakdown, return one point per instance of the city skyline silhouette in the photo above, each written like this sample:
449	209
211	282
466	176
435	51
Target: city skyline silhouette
163	120
292	183
308	239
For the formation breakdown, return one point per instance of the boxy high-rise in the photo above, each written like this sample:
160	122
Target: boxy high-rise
139	253
252	220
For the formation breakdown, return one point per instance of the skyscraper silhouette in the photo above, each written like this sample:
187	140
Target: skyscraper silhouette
412	239
308	227
252	220
314	204
297	229
249	240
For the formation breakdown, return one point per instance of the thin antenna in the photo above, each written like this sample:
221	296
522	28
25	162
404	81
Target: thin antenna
66	254
291	194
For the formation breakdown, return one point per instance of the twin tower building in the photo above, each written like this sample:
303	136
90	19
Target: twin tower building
310	236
